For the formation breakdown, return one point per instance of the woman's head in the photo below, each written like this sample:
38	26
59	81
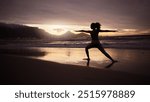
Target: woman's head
95	26
98	25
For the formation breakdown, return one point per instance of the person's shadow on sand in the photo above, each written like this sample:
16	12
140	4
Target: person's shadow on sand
108	66
111	64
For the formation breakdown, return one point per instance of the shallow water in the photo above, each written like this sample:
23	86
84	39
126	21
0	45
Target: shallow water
129	60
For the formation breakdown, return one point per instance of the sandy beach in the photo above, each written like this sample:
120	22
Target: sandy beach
23	70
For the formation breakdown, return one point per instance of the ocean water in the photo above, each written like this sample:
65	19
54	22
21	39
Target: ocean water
141	44
126	43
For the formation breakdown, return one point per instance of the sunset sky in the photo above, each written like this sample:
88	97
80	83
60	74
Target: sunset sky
59	16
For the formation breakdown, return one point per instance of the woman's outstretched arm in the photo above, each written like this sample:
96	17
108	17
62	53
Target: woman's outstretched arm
108	31
86	31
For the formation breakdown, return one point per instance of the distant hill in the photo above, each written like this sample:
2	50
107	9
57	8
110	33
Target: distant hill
82	36
16	31
71	36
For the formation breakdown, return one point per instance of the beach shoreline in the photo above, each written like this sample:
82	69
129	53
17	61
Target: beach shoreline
17	70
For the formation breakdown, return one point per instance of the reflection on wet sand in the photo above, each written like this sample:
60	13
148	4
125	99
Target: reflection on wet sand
74	56
135	61
132	61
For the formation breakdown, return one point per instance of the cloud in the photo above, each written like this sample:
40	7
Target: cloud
113	13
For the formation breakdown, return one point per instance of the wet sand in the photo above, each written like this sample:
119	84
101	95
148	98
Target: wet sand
26	70
134	61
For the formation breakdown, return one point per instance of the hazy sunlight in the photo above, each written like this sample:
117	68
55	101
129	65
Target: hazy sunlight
59	29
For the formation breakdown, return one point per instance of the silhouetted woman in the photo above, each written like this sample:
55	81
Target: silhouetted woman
95	43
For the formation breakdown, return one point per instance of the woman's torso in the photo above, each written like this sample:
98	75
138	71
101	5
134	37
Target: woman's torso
94	35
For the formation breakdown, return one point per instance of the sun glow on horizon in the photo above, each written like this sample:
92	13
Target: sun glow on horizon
52	29
59	29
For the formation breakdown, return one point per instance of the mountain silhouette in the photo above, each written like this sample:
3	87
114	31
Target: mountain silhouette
16	31
71	36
